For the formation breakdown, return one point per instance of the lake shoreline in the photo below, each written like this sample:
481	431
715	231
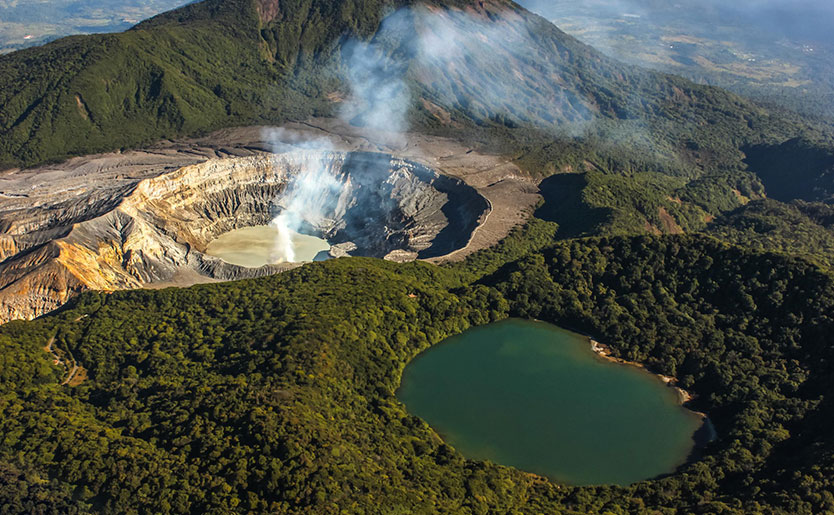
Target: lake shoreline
492	391
704	435
604	351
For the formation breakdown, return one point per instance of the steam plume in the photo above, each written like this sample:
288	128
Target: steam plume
460	60
313	194
379	96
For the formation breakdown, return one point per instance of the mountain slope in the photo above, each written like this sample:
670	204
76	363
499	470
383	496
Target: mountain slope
189	71
222	63
799	228
277	395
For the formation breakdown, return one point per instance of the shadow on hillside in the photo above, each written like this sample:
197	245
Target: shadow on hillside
796	169
563	204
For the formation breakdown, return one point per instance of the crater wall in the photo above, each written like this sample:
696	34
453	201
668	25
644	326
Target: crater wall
156	230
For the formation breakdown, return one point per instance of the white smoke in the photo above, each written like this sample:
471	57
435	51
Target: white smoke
379	97
313	192
284	250
460	57
378	103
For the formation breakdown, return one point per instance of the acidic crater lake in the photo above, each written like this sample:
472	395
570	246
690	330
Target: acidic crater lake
253	247
536	397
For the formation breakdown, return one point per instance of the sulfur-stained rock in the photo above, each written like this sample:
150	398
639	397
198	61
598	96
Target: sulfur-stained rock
400	256
157	229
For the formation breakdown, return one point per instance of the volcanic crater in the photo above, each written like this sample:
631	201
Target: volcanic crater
156	230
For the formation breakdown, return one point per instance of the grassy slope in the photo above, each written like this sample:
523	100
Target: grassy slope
158	80
206	65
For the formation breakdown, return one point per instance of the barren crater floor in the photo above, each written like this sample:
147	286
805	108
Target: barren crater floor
157	229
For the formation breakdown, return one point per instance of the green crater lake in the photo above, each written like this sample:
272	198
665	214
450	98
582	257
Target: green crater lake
536	397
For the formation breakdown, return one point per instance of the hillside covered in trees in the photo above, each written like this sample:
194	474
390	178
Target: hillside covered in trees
216	64
277	394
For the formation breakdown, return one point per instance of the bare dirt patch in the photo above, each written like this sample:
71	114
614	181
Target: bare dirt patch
741	198
670	225
652	229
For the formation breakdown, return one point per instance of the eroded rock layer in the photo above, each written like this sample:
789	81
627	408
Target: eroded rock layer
157	229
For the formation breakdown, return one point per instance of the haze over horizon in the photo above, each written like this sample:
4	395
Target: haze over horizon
26	23
778	51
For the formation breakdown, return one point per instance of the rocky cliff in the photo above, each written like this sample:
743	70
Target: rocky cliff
156	230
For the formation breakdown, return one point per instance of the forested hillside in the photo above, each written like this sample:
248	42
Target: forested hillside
798	228
746	332
219	63
278	394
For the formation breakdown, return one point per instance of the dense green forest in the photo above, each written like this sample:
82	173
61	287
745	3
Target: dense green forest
733	207
798	228
277	394
216	63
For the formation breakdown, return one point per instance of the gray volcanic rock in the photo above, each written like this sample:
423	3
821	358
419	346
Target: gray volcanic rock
157	228
341	249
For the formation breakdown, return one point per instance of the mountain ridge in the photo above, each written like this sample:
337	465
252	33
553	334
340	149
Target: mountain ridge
278	394
215	64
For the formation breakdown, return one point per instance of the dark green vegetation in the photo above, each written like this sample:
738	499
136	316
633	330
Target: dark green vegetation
275	394
746	332
278	394
602	202
534	396
811	169
730	206
222	63
799	228
88	93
